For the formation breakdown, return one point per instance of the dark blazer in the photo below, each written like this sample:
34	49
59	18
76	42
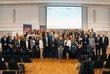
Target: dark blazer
98	42
106	42
53	43
85	41
3	42
23	44
44	41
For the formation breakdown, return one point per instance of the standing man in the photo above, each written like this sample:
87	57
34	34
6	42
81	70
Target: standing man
53	47
105	43
4	44
85	43
98	42
93	33
46	45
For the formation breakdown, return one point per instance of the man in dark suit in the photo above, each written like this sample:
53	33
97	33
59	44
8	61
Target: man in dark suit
46	45
105	43
4	44
98	42
85	43
53	47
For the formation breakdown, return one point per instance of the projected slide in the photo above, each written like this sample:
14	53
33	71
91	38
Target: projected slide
64	17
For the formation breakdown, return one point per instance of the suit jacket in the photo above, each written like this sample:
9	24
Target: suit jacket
3	41
98	42
44	41
23	44
106	42
53	43
85	41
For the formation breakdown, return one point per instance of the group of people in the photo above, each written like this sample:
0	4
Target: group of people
55	44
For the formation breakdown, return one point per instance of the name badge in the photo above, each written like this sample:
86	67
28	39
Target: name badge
85	42
60	46
97	43
73	46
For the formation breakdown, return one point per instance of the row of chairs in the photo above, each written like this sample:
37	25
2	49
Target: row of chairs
9	65
17	58
8	72
100	58
106	72
100	64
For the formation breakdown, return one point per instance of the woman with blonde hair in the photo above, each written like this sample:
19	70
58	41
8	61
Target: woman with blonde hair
41	47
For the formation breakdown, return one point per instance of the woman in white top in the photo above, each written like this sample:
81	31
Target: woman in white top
41	47
67	44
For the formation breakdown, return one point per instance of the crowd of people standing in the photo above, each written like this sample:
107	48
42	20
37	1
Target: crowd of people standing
55	44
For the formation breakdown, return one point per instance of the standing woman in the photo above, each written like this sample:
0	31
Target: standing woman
60	47
73	45
67	44
79	47
23	45
16	46
41	47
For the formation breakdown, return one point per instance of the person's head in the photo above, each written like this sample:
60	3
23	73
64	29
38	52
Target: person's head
92	30
98	35
61	38
4	35
67	38
88	30
85	35
73	38
8	34
16	34
16	38
103	35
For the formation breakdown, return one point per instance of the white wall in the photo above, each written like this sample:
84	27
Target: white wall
12	18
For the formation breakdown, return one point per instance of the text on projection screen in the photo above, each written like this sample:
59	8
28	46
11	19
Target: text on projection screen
64	17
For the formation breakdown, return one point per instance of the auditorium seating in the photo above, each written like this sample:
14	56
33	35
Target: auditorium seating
107	65
106	72
3	66
16	58
103	57
26	59
7	58
8	72
12	65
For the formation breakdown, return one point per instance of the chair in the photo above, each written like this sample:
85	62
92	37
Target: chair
86	67
94	58
8	72
98	64
16	58
107	65
12	65
103	57
26	59
2	65
7	58
106	72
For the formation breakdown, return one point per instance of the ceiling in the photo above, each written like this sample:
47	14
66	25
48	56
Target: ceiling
98	2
